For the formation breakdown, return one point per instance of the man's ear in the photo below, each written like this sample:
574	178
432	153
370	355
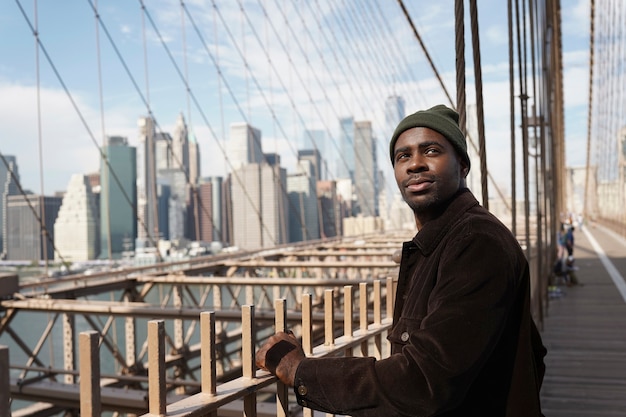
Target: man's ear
464	168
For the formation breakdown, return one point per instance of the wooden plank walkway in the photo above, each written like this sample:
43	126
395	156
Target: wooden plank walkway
585	333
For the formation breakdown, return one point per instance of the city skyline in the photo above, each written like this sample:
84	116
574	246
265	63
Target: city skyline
144	196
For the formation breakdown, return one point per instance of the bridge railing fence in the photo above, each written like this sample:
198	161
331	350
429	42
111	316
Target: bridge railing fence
255	392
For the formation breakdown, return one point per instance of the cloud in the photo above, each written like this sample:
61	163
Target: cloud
67	146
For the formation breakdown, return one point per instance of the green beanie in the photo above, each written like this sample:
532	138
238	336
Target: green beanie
439	118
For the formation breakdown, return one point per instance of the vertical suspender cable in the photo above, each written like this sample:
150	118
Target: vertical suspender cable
539	218
193	184
105	189
479	101
154	234
459	29
225	227
522	97
512	120
525	134
42	200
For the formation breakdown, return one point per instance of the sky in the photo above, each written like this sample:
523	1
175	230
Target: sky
280	68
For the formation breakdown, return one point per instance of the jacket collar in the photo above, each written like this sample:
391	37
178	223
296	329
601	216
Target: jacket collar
435	230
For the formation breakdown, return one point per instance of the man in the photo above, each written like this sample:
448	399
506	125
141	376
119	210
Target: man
463	342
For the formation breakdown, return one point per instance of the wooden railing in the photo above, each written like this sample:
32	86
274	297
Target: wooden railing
255	393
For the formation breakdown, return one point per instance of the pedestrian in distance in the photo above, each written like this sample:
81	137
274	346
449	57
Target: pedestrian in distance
569	241
463	342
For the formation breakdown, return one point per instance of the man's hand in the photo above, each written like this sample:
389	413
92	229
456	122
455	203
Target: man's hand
281	355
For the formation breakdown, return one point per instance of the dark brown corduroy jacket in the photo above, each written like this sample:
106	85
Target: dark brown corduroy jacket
463	340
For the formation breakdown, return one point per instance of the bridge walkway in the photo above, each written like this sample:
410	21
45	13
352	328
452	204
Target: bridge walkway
585	332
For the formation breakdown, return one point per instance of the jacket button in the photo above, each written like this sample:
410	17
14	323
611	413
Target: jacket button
404	336
302	390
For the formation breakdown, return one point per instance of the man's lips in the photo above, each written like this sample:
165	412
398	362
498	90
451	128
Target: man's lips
417	185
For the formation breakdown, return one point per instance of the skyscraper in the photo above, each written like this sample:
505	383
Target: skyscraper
274	204
177	204
194	160
246	207
316	140
330	210
118	198
244	145
147	206
8	186
180	146
204	211
303	214
394	113
365	178
345	161
313	156
25	240
75	228
216	208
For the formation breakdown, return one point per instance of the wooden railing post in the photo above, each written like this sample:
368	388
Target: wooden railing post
207	352
156	368
390	297
378	340
247	356
5	382
363	298
307	324
208	366
307	335
282	390
89	374
348	311
329	318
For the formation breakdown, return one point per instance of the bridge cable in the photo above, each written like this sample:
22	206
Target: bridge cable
478	82
512	120
42	205
105	174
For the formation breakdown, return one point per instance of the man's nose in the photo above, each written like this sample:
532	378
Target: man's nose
416	163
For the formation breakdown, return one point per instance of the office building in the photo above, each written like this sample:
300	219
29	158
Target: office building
345	159
194	160
303	214
394	113
147	206
25	230
180	147
9	177
203	210
314	157
274	202
246	206
209	210
365	172
316	140
259	206
118	198
179	197
329	209
244	146
76	228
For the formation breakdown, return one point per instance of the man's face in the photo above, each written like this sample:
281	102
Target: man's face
428	171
